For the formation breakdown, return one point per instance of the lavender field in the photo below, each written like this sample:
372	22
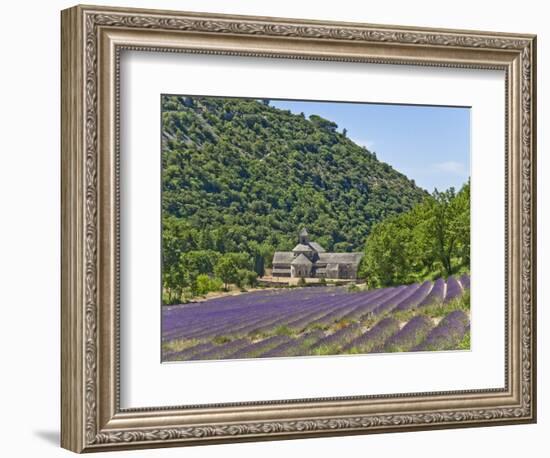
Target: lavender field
428	316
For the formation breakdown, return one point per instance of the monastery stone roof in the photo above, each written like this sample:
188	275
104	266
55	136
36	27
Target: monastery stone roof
302	247
317	247
301	260
283	257
340	258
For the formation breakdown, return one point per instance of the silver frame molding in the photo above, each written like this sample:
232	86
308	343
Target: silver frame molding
92	40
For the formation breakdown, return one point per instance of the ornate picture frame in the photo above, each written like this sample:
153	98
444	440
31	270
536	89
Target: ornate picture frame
92	41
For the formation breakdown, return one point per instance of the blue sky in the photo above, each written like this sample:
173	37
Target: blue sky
428	144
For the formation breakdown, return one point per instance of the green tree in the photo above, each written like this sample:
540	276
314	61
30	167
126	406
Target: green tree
387	253
246	277
227	271
446	227
461	209
432	239
196	262
205	284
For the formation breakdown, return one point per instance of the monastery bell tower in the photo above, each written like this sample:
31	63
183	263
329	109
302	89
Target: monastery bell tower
304	237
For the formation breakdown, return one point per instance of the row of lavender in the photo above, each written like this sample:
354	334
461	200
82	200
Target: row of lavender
249	325
418	334
261	311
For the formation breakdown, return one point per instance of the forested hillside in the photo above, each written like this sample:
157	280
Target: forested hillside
242	176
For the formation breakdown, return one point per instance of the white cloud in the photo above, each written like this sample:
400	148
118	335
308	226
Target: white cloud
456	168
369	144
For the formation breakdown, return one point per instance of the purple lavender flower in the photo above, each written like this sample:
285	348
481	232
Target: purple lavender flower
294	347
453	289
373	339
410	335
447	334
414	299
368	303
341	337
237	319
187	353
435	295
221	351
257	348
392	302
465	281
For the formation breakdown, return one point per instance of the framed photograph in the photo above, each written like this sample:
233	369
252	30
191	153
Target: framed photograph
279	228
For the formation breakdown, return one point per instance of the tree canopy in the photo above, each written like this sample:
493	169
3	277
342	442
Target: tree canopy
429	241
